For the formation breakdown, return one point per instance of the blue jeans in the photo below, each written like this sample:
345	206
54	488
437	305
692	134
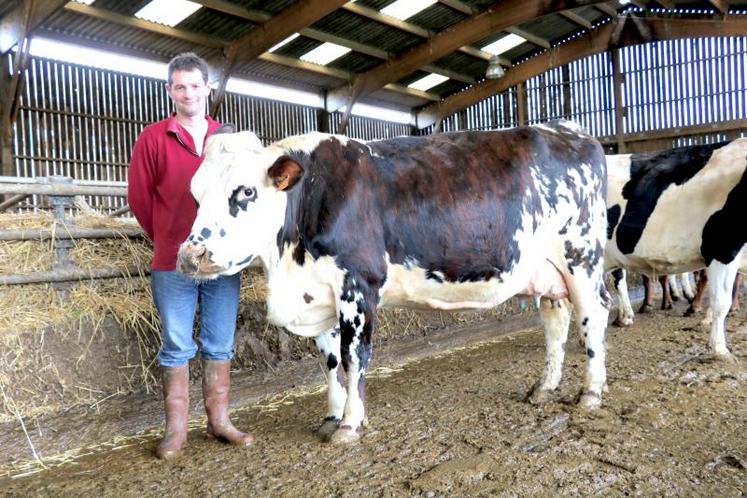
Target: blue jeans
176	297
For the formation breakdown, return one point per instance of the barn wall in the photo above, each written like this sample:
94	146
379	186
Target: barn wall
679	85
82	122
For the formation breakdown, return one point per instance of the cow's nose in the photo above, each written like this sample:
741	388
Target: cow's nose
189	257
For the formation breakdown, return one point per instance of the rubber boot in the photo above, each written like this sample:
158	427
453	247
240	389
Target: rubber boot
215	386
176	406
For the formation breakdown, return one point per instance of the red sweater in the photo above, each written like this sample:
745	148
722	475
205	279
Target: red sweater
162	165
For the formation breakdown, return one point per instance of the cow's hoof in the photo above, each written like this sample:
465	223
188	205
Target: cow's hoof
345	435
726	357
539	396
646	308
690	311
667	306
623	322
589	400
328	427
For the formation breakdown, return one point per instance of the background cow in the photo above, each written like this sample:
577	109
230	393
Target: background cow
448	221
680	210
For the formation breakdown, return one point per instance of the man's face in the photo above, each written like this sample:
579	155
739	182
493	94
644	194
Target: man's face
188	91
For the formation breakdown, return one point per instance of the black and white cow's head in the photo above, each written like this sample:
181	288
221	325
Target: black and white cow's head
241	189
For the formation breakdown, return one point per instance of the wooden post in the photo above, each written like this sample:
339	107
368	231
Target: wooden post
618	80
521	103
322	121
11	87
567	105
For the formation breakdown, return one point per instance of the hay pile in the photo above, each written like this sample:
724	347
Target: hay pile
48	332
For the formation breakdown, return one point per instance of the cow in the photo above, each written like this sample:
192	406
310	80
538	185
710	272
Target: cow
449	221
680	210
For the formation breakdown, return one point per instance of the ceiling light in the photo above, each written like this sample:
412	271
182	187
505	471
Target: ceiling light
495	70
504	44
404	9
325	53
427	82
167	12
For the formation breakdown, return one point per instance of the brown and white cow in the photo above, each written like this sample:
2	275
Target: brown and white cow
446	222
680	210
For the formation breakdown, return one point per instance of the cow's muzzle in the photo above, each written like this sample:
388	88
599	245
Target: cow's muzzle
195	260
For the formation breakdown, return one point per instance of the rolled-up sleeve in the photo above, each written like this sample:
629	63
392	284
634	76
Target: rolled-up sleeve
141	181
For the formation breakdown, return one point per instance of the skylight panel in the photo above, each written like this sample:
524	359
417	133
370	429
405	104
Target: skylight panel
428	82
404	9
85	2
504	44
284	42
167	12
325	53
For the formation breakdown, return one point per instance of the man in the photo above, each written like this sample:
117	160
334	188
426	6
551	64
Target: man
165	157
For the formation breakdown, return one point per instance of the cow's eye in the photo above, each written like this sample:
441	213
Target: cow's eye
250	194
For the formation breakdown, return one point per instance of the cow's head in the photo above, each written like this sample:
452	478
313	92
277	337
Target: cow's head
240	192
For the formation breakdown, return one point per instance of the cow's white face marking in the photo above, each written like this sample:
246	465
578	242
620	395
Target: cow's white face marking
239	205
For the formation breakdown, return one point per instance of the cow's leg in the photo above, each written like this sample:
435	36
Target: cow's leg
624	309
674	287
648	296
329	347
687	288
666	295
591	303
735	293
357	311
721	279
556	317
701	285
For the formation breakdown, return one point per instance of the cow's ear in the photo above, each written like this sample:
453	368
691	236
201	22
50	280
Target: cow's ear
225	128
285	173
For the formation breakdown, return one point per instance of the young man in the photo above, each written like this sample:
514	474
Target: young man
165	157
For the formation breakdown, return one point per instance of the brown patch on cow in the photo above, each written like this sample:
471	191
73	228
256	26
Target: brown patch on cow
307	297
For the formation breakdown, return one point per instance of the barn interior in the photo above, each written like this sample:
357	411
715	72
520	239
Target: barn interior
80	334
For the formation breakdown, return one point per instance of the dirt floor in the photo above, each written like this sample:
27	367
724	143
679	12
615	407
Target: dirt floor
674	423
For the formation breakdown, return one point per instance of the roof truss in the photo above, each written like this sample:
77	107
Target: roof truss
600	40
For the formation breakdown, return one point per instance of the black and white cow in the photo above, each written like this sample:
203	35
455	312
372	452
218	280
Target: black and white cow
680	210
447	222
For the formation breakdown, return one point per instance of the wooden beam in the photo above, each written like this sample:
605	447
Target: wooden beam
407	27
680	131
607	8
291	20
257	41
498	17
720	5
379	54
576	19
530	37
13	24
459	6
258	16
667	4
592	43
134	22
255	16
341	74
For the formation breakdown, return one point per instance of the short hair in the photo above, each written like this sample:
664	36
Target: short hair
188	61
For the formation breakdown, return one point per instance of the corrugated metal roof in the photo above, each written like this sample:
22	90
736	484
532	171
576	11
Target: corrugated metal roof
102	25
